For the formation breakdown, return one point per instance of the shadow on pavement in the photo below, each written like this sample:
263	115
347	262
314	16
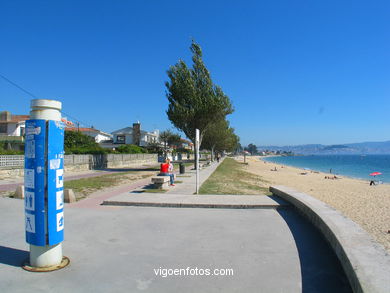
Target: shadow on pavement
12	257
321	270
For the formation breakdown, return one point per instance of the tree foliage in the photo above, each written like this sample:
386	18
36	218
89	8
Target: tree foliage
251	148
169	139
131	149
195	102
220	137
11	147
75	139
76	142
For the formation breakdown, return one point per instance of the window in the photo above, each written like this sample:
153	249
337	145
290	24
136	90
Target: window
121	139
3	127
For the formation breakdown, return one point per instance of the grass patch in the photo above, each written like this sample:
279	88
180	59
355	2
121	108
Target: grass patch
178	181
230	178
84	186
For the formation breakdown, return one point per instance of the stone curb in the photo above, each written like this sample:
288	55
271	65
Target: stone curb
365	262
193	205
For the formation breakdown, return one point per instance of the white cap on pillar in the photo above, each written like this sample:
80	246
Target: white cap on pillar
46	109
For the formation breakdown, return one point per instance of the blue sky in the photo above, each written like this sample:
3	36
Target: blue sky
297	71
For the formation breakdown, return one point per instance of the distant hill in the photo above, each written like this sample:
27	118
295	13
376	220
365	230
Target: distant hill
319	149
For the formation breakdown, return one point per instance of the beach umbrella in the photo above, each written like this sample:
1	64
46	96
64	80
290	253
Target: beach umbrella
375	173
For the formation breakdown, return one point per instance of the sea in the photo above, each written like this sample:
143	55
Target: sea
356	166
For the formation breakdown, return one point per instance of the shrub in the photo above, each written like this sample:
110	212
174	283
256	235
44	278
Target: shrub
131	149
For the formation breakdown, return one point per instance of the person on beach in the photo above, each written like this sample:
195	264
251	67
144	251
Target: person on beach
164	171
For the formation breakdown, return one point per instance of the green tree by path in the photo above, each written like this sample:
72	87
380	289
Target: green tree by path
220	137
195	102
169	138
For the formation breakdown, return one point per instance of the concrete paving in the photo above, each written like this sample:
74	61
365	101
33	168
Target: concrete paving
118	249
262	240
196	201
189	179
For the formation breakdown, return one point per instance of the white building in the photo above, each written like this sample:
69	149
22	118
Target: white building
12	125
96	134
134	135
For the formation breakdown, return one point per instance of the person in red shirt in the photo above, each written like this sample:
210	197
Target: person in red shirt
164	171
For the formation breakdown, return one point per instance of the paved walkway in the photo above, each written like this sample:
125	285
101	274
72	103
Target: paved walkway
189	179
120	249
266	244
196	201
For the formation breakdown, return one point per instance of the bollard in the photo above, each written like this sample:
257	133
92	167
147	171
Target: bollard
69	196
43	182
19	192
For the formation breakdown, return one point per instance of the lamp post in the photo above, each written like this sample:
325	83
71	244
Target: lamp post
197	159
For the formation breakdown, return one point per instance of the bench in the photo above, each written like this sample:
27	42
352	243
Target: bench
161	182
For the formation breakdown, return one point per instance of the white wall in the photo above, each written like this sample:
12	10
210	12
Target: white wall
129	139
100	137
12	129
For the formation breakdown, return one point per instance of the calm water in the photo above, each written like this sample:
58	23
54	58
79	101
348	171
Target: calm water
350	165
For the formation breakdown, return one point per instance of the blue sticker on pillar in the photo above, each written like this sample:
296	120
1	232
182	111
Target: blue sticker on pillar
34	182
55	182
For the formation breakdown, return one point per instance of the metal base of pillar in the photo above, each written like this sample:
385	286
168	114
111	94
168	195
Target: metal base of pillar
26	266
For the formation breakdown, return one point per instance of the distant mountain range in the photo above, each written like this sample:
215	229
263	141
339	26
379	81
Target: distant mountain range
337	149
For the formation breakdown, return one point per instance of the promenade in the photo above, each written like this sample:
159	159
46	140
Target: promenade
261	241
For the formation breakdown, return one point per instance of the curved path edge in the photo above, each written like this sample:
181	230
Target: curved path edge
365	262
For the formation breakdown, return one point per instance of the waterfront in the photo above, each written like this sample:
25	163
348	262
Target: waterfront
367	205
356	166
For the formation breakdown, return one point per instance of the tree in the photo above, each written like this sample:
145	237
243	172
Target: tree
232	141
194	101
252	149
169	138
174	140
220	137
77	139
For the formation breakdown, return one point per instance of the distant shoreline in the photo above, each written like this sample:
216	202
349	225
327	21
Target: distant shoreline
263	158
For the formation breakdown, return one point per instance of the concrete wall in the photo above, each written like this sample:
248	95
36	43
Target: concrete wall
76	163
130	160
365	262
13	166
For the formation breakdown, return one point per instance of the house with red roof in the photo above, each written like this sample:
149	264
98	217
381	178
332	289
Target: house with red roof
97	135
12	126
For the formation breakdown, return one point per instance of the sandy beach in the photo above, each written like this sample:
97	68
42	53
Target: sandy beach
369	206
